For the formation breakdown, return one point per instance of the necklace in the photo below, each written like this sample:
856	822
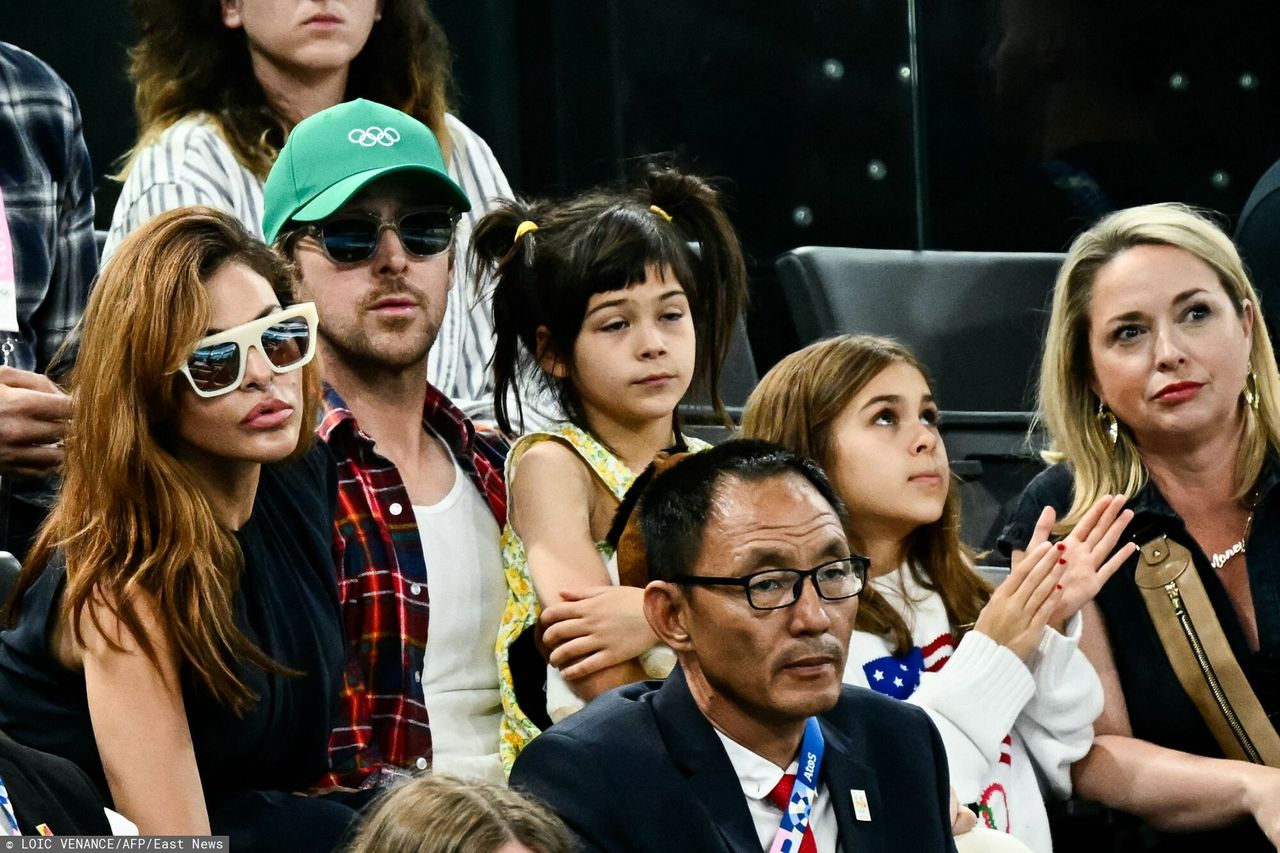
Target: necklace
1220	560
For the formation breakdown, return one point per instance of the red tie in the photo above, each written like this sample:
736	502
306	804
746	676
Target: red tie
780	796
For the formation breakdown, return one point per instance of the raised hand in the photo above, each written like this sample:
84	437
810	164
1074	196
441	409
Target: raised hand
1022	605
1088	547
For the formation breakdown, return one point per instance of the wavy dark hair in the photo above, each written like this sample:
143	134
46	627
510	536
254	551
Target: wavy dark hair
597	242
187	61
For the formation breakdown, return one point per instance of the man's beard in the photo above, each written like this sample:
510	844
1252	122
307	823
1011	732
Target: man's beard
360	353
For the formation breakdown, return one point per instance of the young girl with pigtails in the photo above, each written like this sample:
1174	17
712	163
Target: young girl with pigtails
623	300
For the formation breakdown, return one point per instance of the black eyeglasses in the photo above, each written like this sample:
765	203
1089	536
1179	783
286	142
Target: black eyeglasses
774	589
353	237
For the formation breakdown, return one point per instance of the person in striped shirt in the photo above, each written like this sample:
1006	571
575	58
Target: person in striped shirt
221	85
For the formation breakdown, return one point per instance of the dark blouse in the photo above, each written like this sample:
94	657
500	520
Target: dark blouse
286	604
1159	710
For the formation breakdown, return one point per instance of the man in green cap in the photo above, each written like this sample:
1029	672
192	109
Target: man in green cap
360	199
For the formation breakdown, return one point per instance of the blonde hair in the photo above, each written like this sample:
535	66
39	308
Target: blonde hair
443	814
1069	407
130	518
797	403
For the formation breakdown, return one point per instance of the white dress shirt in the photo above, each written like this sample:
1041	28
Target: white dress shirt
758	776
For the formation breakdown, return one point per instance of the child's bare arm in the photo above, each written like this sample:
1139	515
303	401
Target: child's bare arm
552	500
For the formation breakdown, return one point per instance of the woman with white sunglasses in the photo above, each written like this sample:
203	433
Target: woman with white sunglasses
176	631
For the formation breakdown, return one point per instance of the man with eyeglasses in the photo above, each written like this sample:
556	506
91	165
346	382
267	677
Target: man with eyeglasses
753	742
361	201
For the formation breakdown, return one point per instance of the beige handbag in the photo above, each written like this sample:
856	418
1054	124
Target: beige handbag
1200	655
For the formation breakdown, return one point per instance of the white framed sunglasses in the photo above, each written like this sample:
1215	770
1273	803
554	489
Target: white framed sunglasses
286	339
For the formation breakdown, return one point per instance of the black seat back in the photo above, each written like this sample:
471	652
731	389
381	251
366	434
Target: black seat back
738	376
738	379
976	319
10	568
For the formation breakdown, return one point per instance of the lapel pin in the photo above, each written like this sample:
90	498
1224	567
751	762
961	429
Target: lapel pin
860	808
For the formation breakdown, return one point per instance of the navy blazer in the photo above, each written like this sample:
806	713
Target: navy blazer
46	789
641	768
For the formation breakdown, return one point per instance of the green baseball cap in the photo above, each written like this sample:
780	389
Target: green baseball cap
332	155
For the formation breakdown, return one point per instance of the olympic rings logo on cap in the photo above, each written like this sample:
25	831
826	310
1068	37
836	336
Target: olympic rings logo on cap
367	137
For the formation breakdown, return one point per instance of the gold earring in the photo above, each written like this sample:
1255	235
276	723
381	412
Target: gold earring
1251	395
1110	426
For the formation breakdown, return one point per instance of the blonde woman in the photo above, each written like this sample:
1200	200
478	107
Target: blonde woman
444	814
1159	383
177	632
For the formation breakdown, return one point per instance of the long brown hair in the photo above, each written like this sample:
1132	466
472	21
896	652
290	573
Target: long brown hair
130	518
189	62
796	404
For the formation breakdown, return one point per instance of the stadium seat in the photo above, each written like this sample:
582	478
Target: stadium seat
994	455
10	568
737	380
975	318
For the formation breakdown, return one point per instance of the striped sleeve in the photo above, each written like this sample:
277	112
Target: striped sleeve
189	163
470	382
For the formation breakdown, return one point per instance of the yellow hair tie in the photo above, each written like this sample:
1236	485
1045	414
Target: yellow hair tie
526	227
660	212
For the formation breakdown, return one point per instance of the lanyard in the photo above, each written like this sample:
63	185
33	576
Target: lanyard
795	818
8	285
8	821
8	290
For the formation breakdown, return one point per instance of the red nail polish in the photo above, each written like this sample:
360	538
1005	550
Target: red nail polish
1061	547
1062	562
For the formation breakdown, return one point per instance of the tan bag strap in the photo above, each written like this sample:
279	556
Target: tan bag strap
1200	655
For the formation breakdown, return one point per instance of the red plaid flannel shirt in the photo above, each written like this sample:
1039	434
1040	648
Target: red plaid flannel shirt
381	718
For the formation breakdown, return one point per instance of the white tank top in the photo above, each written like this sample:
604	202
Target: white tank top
468	592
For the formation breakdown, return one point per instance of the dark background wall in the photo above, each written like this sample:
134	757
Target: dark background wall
1004	124
85	42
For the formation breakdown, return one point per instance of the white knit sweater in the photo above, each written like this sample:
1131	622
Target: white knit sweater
1011	729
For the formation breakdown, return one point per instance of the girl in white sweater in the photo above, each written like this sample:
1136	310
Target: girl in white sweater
999	672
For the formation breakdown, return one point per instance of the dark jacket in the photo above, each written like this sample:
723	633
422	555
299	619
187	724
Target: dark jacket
641	768
49	790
